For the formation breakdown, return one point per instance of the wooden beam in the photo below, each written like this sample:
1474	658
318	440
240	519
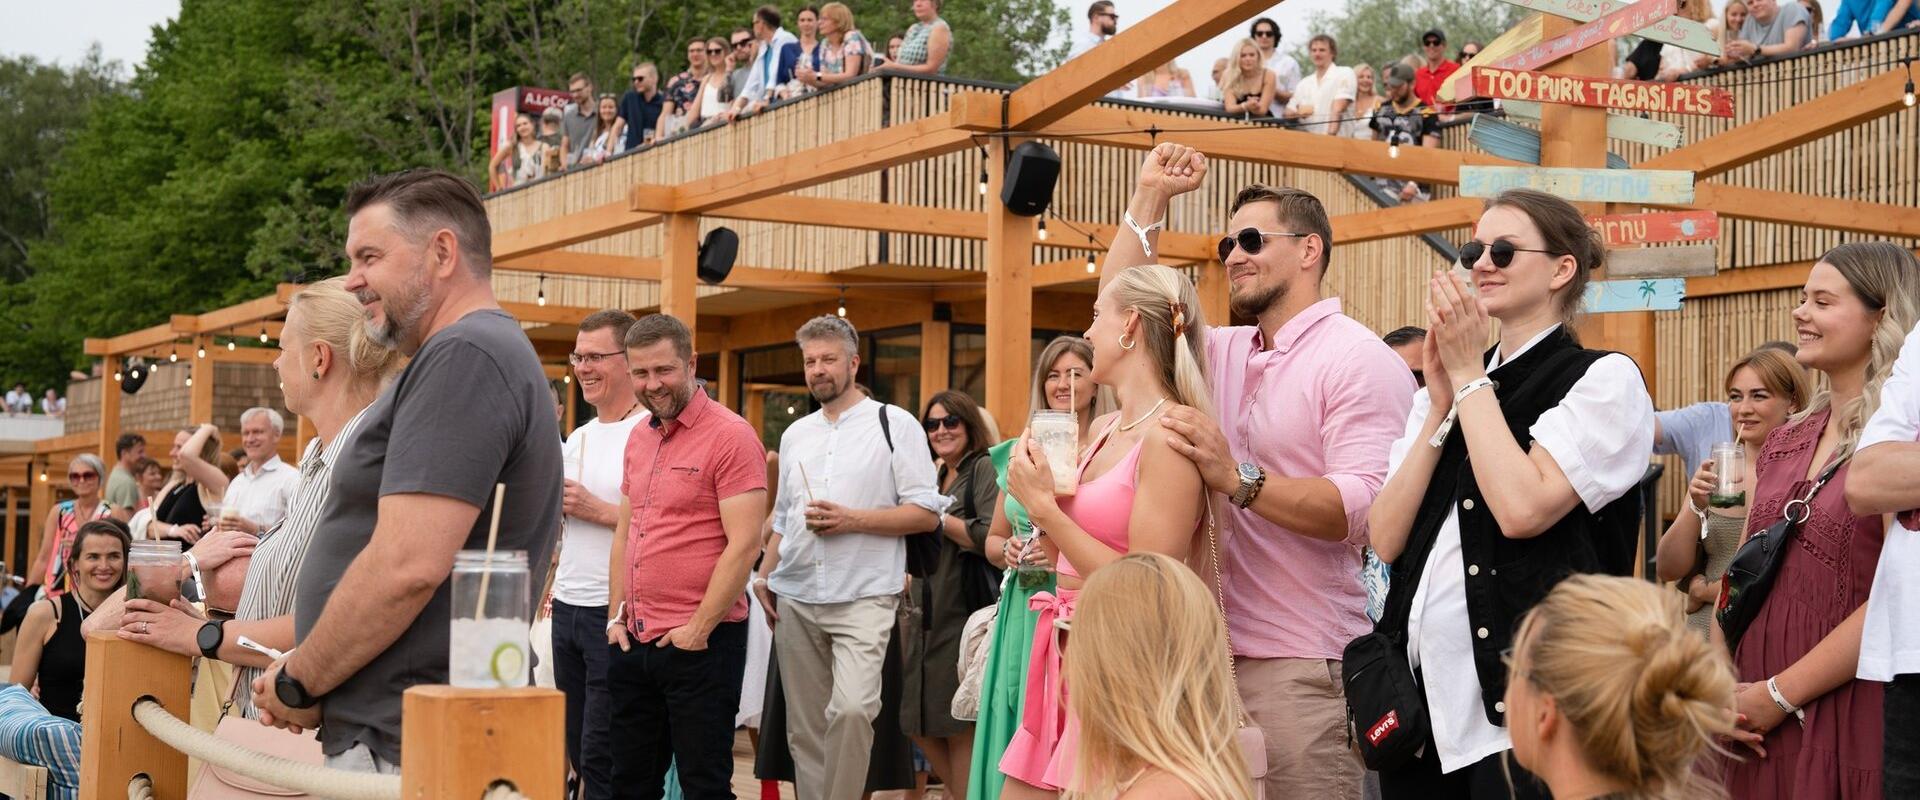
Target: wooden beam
109	410
1174	29
831	212
243	355
1778	132
1684	261
200	394
913	141
936	359
585	265
1406	220
549	314
569	228
247	313
1214	289
728	378
1753	279
1879	219
680	251
777	326
1009	296
127	342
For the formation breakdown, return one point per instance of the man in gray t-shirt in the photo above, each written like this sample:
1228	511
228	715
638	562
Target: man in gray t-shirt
1772	28
471	410
577	121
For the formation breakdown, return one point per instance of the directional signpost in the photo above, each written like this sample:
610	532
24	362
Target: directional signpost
1603	29
1622	95
1515	142
1684	261
1680	32
1520	37
1659	187
1661	294
1662	227
1619	126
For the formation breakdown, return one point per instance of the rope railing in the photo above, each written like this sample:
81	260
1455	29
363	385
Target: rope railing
140	788
317	781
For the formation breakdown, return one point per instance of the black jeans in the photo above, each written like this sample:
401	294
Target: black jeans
580	671
1486	780
676	707
1900	765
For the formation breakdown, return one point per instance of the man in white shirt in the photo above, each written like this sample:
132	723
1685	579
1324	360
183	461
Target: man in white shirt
257	498
1265	34
1102	22
1322	100
593	458
851	486
770	66
18	401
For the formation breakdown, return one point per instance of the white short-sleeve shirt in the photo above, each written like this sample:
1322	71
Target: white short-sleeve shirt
1890	640
1321	92
262	494
595	457
1601	436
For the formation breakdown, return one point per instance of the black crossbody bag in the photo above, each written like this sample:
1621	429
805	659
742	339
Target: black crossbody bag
1386	708
1755	565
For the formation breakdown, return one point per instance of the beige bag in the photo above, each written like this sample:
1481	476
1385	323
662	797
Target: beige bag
1253	740
976	640
216	783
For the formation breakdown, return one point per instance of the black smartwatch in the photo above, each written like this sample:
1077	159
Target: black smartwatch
210	636
291	692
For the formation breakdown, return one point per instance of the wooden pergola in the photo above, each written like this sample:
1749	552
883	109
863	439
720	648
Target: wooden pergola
1056	106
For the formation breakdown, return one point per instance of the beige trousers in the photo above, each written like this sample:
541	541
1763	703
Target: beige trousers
830	660
1300	705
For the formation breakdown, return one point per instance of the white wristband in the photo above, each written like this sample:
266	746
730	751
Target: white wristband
1472	386
1141	232
1773	691
618	619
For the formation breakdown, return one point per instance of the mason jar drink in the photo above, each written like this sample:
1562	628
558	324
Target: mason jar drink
488	645
1730	470
1058	435
155	568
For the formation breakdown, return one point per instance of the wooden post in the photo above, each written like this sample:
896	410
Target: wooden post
459	742
936	358
679	266
115	748
200	398
9	534
1009	298
753	407
1576	136
1212	285
39	504
109	409
729	378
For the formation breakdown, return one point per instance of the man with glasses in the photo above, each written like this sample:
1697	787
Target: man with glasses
641	105
1102	22
576	122
772	62
1434	69
683	92
1308	403
741	59
1286	72
590	499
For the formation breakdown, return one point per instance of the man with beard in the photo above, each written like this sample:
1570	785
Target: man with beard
372	604
856	477
1102	22
1309	403
693	496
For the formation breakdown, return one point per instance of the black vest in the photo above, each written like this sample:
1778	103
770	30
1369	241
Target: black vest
1505	576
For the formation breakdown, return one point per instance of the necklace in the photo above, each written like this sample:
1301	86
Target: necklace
1143	417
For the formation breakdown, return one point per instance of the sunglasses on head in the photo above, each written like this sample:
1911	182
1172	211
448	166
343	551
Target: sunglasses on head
1250	240
951	422
1501	252
83	476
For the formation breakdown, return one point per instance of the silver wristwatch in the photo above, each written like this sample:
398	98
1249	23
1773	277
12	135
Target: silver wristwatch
1252	478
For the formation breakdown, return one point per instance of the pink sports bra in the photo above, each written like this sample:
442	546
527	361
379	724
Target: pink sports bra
1104	505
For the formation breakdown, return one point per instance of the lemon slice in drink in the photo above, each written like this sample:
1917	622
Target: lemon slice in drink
509	664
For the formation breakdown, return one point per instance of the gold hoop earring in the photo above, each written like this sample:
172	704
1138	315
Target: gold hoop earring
1124	344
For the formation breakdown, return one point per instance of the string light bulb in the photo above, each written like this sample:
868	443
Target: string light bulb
1043	230
136	373
1393	145
567	379
43	474
173	355
263	333
189	380
116	376
983	171
1091	266
1907	96
230	346
790	412
200	352
541	297
841	307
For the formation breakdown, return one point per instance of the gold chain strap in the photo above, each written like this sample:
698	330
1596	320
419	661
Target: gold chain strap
1220	602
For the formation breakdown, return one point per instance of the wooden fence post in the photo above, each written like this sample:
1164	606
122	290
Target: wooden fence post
114	747
457	742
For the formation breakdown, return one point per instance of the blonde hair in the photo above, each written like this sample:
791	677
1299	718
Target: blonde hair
1063	345
1886	278
1644	695
1230	80
1155	292
331	314
1151	685
1778	371
842	17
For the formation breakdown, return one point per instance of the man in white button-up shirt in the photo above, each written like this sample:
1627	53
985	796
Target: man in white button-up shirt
257	498
850	490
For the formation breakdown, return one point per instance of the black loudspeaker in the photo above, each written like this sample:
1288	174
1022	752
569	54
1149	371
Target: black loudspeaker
134	374
717	253
1031	173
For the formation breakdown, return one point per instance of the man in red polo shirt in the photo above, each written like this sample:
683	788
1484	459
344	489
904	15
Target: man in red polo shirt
1435	70
694	494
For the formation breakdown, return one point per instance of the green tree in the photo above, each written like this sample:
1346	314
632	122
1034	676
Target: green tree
1378	32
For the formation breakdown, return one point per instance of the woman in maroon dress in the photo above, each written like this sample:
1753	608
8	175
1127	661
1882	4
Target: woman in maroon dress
1802	649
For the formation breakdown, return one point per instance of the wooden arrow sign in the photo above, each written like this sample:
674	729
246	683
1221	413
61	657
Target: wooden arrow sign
1685	261
1624	95
1520	37
1677	31
1516	142
1660	227
1619	126
1659	187
1602	29
1608	297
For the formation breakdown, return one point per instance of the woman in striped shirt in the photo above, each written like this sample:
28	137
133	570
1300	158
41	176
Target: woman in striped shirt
331	371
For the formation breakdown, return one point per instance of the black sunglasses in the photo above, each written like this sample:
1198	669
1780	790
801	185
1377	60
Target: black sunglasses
746	43
951	422
1266	34
1250	240
1501	252
714	51
1433	42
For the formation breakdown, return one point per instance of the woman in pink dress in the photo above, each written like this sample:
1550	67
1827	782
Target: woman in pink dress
1818	728
1134	494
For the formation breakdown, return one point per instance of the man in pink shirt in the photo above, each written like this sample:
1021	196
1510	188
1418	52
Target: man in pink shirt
1308	404
694	494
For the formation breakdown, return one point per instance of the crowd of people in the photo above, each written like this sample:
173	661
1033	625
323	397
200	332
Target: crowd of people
20	402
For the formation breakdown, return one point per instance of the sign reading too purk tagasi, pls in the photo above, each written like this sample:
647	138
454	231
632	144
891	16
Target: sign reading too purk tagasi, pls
1622	95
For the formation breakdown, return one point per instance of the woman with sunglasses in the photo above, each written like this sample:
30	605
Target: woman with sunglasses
961	581
715	91
1517	468
64	521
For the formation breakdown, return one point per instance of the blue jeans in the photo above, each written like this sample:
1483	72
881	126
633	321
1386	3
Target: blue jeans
580	670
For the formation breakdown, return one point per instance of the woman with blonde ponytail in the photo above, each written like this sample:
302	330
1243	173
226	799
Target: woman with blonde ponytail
331	371
1152	690
1134	493
1611	696
1796	661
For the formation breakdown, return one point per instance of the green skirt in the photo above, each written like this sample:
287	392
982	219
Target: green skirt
1003	687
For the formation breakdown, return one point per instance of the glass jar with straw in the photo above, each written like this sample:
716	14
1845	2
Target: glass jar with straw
487	645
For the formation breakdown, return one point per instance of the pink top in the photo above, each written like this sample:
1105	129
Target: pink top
1103	506
676	476
1327	399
